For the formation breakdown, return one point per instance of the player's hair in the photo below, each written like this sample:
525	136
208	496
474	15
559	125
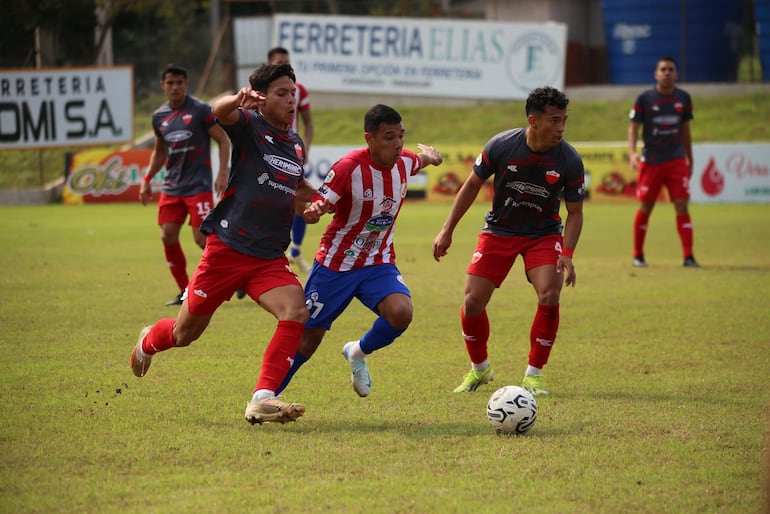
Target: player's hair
542	97
262	77
173	69
378	115
276	50
668	58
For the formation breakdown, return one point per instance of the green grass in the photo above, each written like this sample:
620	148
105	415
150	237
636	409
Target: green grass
738	118
660	380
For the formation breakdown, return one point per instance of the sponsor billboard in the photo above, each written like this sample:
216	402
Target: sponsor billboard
413	56
66	107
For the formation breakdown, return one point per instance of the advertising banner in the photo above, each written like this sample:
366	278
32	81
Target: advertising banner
66	107
734	173
417	56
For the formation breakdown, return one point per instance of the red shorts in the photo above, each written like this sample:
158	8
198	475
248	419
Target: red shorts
174	209
222	271
675	175
494	255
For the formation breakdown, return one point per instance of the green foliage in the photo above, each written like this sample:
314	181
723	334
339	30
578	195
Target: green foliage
659	380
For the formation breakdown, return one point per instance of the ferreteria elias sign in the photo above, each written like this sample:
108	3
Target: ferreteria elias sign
426	57
66	106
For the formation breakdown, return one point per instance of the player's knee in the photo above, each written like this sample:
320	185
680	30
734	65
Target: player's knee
549	296
400	317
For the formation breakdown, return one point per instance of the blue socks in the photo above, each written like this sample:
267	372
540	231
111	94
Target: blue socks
379	336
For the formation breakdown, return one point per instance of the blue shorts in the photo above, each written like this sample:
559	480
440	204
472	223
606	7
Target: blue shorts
328	293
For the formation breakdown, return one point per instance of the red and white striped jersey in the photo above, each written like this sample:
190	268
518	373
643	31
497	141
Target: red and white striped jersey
366	202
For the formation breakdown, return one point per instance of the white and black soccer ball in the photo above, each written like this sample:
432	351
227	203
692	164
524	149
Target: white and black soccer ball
511	410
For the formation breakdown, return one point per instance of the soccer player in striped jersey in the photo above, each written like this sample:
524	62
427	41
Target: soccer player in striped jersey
365	191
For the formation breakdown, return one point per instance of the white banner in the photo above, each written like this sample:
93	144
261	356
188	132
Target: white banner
425	57
65	107
731	173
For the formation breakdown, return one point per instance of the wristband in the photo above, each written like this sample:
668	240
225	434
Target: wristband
146	178
569	252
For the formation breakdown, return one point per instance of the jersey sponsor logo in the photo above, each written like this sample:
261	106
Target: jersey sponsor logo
666	119
367	243
527	188
379	223
509	202
552	176
283	164
178	135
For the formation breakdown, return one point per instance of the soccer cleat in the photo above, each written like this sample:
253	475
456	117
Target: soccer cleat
690	262
177	300
639	262
273	410
474	378
298	261
240	294
362	382
534	384
140	361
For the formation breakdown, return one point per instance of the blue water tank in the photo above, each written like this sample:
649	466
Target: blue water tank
703	36
762	16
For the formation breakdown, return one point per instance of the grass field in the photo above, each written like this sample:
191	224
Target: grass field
660	380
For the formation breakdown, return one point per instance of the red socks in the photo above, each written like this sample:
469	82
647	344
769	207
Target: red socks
543	334
684	227
476	335
177	264
640	231
160	337
279	354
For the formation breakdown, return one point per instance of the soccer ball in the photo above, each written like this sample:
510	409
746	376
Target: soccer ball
511	410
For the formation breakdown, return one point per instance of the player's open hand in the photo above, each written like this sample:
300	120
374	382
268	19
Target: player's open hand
433	156
315	210
566	265
441	244
250	99
145	192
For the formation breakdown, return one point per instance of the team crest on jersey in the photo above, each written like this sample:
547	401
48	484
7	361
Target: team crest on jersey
552	176
187	118
298	150
387	204
678	107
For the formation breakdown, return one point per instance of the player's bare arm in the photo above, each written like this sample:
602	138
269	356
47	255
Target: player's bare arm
464	199
223	174
633	135
157	160
573	225
226	108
